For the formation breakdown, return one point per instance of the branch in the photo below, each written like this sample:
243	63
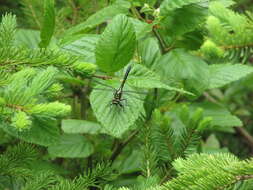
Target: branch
120	146
247	137
102	77
162	43
237	179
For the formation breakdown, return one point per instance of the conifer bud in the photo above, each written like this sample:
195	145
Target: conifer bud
211	50
21	121
84	68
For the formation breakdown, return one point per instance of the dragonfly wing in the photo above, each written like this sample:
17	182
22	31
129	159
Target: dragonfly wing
103	84
103	89
134	92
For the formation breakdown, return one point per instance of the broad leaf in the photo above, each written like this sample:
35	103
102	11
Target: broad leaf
131	163
142	77
142	29
149	52
80	126
184	20
42	132
71	146
116	45
222	74
83	47
99	17
48	26
222	119
115	119
184	67
169	6
226	3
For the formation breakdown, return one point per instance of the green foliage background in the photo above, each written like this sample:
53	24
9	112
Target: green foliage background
186	119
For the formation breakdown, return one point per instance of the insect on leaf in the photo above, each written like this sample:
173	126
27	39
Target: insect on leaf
115	119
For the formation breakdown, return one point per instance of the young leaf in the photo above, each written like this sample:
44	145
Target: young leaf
48	26
7	30
71	146
222	74
115	119
116	46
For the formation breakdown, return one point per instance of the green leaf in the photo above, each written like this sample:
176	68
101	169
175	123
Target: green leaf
83	46
212	142
131	163
212	145
223	74
116	45
99	17
168	5
42	132
48	26
142	77
80	126
184	20
115	119
142	29
222	119
226	3
149	52
184	67
71	146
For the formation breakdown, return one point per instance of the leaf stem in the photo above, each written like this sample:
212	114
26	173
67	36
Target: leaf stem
162	43
136	13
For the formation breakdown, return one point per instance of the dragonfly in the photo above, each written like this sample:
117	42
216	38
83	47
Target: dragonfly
117	99
117	96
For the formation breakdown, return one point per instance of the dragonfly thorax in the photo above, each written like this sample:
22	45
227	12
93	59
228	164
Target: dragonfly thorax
118	94
117	98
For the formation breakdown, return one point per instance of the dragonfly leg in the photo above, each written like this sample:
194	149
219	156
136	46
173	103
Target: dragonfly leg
125	101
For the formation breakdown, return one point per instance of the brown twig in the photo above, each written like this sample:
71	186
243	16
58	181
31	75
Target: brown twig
121	145
166	177
75	12
236	46
246	136
103	77
17	107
